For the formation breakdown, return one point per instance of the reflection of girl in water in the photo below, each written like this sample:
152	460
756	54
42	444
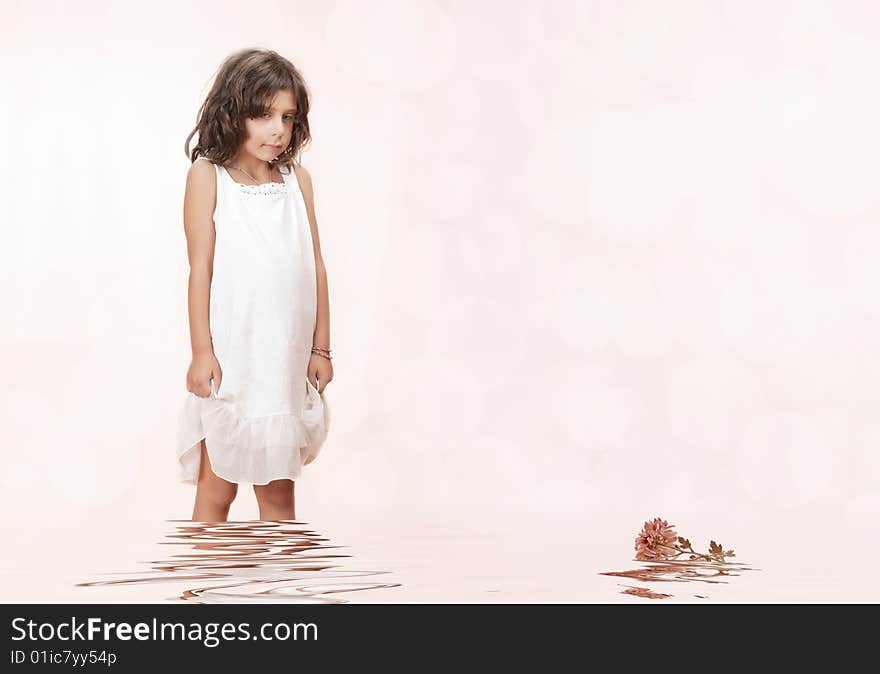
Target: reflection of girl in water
255	410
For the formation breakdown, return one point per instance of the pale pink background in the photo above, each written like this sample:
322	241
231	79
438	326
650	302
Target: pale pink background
589	263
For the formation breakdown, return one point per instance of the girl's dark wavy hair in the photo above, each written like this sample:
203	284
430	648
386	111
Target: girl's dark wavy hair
243	87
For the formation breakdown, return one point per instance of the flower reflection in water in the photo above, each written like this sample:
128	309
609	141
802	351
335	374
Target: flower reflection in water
675	571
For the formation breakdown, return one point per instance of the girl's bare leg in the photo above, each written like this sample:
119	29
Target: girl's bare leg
214	495
276	500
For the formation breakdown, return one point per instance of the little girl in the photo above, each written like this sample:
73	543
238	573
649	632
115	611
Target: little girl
258	302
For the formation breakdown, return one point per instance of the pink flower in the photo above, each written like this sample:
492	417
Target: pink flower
656	540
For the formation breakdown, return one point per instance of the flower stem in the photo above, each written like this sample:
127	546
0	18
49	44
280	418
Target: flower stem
690	551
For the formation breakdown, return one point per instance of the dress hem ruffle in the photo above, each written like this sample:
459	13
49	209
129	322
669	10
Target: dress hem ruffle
252	450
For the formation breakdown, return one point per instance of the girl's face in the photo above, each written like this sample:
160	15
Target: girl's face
269	135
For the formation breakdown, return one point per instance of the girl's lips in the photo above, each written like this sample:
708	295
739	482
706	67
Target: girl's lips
274	147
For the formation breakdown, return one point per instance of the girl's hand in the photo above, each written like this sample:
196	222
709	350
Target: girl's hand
203	368
320	371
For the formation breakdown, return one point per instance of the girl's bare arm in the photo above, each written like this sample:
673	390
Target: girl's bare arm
321	338
198	223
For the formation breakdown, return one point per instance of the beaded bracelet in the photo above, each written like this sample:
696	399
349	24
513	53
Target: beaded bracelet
324	353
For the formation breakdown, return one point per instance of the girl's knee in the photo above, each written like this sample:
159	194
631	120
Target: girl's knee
219	493
278	493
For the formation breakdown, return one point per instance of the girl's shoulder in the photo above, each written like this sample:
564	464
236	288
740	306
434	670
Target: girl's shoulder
300	172
201	182
202	167
203	160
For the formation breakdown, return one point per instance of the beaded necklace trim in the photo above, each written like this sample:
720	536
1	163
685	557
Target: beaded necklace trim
263	188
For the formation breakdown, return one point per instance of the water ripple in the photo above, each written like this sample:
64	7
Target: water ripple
267	561
677	571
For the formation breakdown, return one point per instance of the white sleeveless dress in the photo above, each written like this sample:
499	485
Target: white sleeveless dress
267	420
